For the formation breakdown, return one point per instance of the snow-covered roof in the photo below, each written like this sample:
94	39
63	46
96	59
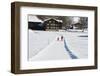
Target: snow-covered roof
59	20
33	18
47	19
53	19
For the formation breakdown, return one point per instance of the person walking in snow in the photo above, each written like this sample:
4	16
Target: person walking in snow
58	39
62	38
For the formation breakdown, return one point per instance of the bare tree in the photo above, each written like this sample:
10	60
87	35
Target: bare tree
84	22
67	21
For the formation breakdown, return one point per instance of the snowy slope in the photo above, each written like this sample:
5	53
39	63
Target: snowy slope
38	40
43	45
55	51
77	43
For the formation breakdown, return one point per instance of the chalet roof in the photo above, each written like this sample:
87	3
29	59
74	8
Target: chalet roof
34	19
53	19
78	23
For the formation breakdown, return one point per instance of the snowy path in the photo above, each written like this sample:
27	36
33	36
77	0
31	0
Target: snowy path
77	43
72	55
38	40
55	51
44	45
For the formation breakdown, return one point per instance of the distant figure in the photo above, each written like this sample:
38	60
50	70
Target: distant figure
62	38
58	39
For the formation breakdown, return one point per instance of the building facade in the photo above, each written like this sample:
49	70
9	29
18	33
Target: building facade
52	24
35	23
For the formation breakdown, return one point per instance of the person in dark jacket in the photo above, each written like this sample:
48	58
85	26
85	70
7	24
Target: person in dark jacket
58	39
62	38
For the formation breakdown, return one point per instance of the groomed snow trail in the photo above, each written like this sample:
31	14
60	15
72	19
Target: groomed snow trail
55	51
44	45
72	55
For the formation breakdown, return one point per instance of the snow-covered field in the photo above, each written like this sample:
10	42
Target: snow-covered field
38	40
43	45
